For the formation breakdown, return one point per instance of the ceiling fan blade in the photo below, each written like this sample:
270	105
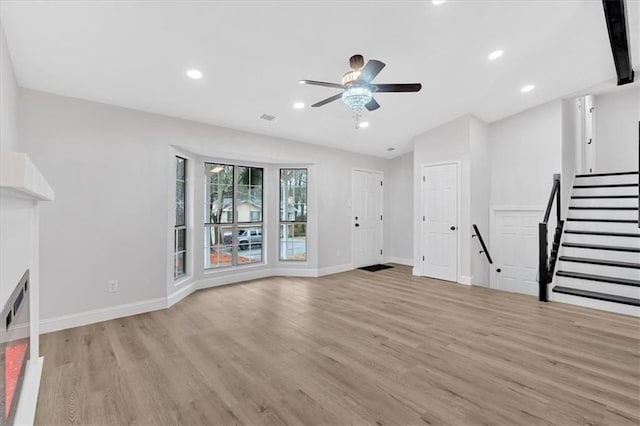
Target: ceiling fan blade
322	83
371	70
409	87
372	105
326	101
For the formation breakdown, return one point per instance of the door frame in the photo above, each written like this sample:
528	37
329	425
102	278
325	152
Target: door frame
493	237
458	164
353	229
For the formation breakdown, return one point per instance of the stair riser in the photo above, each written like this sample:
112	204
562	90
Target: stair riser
618	190
606	180
607	271
602	240
602	226
596	304
605	214
600	254
606	202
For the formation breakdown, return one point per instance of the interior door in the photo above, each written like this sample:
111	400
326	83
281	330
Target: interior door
367	217
589	135
514	246
440	221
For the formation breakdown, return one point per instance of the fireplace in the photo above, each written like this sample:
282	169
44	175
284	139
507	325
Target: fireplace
14	348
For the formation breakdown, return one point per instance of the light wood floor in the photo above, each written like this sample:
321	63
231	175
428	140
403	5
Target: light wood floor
354	348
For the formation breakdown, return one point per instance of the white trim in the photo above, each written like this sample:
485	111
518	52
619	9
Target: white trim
19	175
180	294
293	272
464	279
329	270
458	164
353	229
98	315
215	281
26	409
399	260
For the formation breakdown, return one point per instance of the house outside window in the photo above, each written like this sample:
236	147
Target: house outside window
180	227
293	214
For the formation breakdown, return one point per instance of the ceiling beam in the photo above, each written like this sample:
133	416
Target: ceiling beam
615	15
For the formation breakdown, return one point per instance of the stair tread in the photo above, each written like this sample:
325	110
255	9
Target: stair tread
602	262
603	233
578	197
602	247
602	278
607	185
588	219
602	208
586	175
596	295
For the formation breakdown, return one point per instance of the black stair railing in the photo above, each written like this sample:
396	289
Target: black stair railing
484	247
547	260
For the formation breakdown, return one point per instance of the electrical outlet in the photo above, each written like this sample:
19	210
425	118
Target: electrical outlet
112	286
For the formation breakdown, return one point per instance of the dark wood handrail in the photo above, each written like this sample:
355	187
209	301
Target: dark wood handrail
484	247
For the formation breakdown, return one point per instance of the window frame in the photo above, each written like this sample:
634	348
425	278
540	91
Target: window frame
178	227
235	224
293	222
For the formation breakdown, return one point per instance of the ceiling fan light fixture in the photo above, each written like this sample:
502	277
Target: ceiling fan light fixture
356	97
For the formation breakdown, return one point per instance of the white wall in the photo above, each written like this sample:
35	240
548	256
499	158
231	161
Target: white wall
616	129
112	171
480	183
525	152
571	148
449	142
398	207
8	99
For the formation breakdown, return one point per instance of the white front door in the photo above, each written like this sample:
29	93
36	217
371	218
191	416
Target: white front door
440	221
514	247
367	217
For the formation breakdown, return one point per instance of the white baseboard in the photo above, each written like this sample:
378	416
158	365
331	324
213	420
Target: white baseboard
26	409
334	269
98	315
464	279
215	281
50	325
399	261
180	294
416	272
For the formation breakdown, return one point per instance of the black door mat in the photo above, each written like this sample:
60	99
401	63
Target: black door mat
375	268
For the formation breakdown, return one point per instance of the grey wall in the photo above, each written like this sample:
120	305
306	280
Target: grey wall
8	99
398	207
616	121
112	171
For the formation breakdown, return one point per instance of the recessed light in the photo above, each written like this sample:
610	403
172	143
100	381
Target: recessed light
438	2
194	74
527	88
363	125
495	54
302	82
298	105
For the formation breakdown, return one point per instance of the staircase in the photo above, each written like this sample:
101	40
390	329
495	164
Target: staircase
599	263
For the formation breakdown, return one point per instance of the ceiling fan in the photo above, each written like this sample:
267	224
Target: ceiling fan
357	87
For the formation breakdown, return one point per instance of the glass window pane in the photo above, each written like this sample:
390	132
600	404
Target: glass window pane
219	193
180	265
180	168
218	241
249	244
293	195
249	194
180	203
293	241
181	237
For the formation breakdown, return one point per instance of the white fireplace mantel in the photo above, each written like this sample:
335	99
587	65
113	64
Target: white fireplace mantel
22	188
21	177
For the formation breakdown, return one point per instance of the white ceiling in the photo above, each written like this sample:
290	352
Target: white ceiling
252	53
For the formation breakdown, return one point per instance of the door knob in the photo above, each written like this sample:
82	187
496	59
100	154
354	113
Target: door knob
357	225
498	270
453	228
